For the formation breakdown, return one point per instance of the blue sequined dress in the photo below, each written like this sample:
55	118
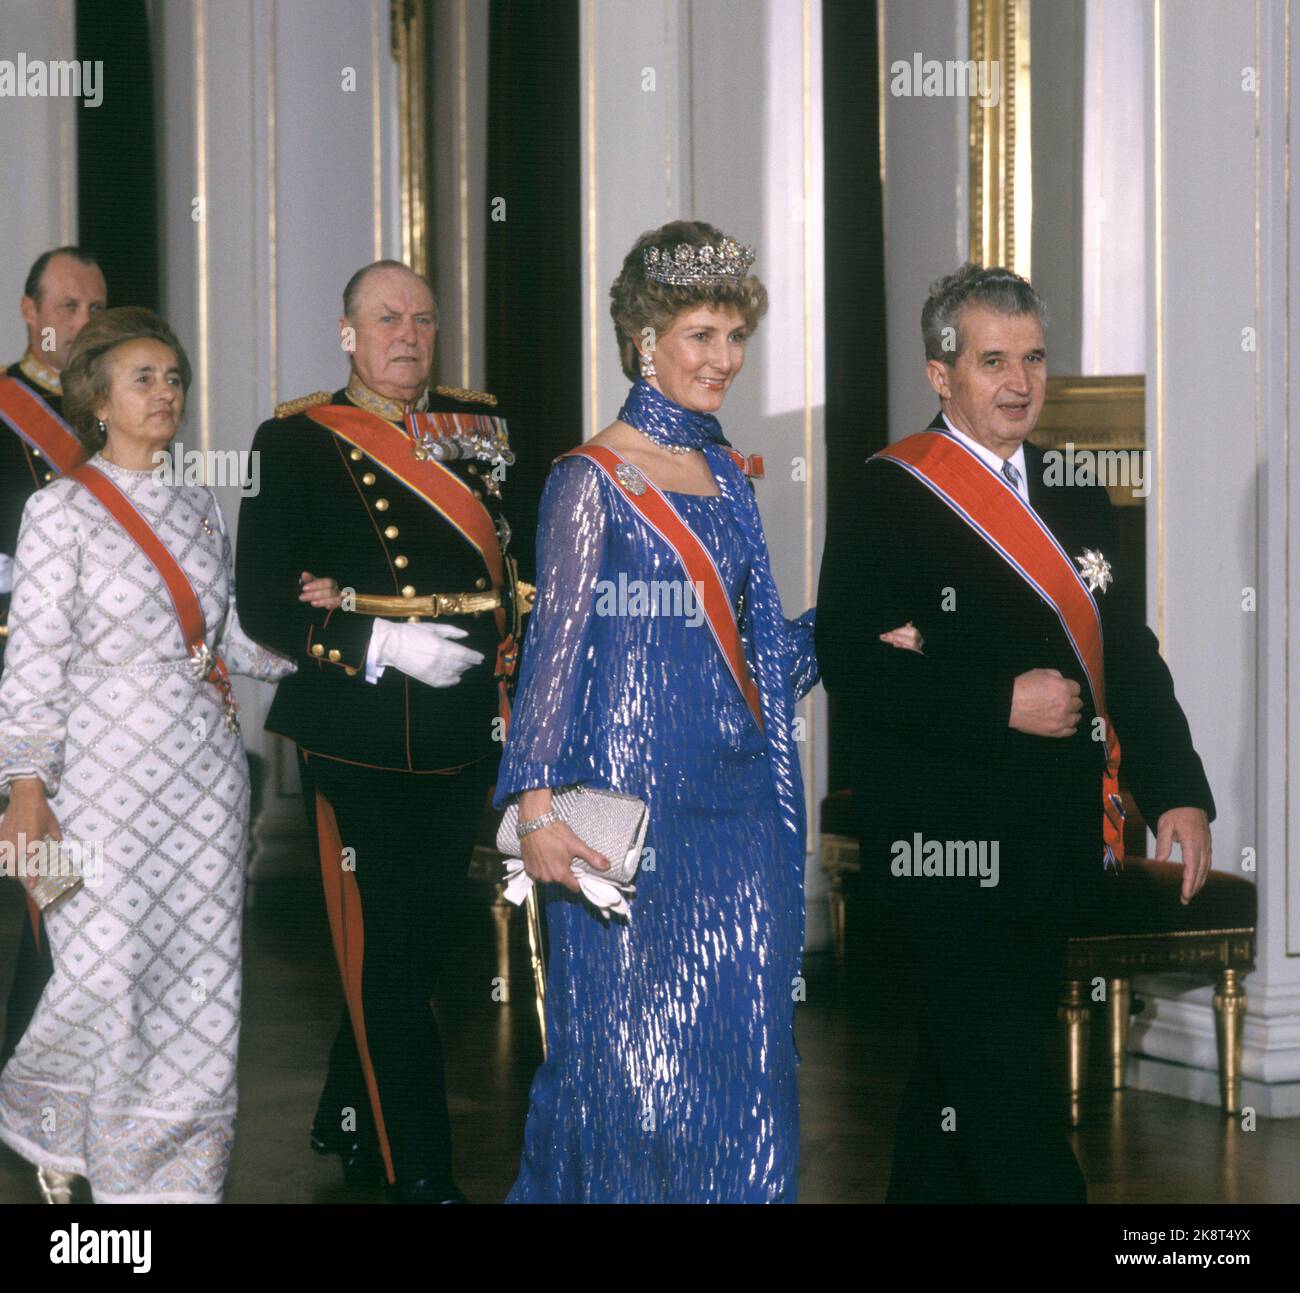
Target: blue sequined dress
671	1074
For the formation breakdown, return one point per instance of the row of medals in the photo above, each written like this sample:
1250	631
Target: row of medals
493	448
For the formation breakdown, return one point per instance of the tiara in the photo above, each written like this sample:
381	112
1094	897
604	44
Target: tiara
687	264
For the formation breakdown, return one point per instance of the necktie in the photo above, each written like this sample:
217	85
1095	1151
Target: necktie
1010	472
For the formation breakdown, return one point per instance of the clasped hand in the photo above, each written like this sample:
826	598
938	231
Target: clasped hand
28	816
548	852
1045	703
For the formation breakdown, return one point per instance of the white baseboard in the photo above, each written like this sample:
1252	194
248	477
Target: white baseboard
1269	1100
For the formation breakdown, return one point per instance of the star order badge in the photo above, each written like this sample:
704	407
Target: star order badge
1095	570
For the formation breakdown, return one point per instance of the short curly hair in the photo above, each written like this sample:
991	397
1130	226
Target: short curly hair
637	304
88	374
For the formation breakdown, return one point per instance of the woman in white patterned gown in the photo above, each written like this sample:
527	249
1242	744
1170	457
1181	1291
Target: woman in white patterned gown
126	1075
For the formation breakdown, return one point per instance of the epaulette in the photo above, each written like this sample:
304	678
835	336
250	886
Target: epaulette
290	407
464	393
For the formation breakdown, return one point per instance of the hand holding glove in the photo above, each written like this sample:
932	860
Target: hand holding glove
425	652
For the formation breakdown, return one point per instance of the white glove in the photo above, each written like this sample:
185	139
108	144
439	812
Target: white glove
425	652
607	897
6	574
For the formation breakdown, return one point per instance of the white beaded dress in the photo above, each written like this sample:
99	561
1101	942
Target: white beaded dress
126	1075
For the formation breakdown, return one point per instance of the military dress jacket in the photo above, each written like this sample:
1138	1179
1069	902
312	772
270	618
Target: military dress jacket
326	507
23	471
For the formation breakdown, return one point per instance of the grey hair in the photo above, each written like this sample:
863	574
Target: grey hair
354	285
997	289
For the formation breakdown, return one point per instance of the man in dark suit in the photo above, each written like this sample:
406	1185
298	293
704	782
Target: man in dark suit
63	289
394	491
981	763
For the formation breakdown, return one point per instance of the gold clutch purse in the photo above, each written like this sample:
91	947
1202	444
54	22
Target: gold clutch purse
46	890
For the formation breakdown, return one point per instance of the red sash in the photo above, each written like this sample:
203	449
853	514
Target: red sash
32	420
664	519
441	489
185	600
997	513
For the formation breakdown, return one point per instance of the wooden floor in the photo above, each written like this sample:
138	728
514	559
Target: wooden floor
1135	1147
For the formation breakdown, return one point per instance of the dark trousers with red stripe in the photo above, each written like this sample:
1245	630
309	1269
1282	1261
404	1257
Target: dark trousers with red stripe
411	837
31	974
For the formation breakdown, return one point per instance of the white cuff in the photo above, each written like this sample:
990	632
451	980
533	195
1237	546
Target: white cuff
373	670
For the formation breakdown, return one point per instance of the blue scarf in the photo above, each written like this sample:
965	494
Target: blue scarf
667	423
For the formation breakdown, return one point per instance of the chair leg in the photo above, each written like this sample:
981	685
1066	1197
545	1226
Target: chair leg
501	928
1119	1006
1229	1025
837	904
1074	1014
532	904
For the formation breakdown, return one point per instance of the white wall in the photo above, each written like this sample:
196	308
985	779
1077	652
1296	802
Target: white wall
278	115
458	199
1219	411
38	141
1115	192
927	221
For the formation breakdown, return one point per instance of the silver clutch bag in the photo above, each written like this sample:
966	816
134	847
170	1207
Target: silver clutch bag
611	823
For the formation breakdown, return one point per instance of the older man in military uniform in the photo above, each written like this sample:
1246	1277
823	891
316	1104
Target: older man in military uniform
397	707
64	288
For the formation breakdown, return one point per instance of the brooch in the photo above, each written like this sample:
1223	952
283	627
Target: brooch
630	478
200	661
1095	570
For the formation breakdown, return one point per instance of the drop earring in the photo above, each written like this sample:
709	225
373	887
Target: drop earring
647	366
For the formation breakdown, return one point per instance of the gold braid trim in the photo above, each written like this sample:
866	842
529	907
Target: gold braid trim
464	393
290	407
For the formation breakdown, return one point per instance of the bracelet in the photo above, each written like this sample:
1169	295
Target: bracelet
548	818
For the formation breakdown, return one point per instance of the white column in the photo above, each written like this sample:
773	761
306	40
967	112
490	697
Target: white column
38	141
277	180
459	123
713	112
1221	534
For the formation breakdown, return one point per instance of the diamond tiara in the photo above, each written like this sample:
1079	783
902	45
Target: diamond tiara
687	264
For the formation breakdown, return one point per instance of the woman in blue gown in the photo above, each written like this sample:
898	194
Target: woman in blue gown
671	1069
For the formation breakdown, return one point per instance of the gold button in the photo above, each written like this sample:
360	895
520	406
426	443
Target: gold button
355	455
335	657
473	470
409	590
350	671
478	493
36	453
480	582
368	478
400	562
318	650
381	505
391	532
49	475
